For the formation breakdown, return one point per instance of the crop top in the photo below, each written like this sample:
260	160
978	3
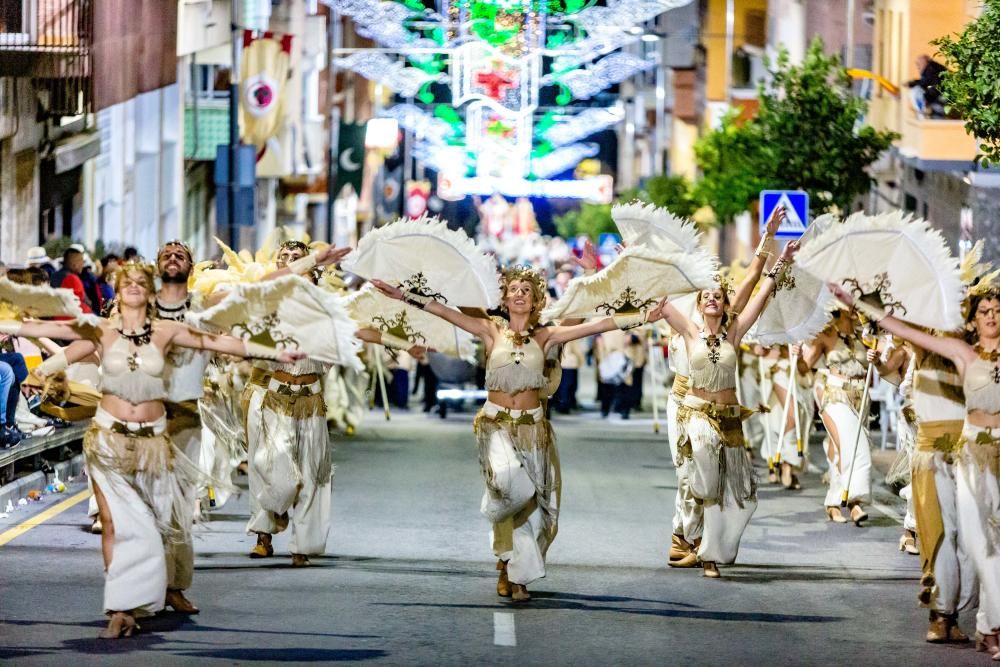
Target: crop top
514	368
134	375
982	386
847	361
712	366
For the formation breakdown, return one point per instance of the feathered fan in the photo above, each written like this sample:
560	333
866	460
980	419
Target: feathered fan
645	223
426	257
371	308
801	305
289	312
891	261
634	282
39	300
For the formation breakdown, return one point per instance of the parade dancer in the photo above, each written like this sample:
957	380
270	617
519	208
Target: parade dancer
710	419
290	461
977	452
688	513
183	378
141	479
513	434
840	397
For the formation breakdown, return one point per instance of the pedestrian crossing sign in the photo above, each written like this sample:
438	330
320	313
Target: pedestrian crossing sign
796	203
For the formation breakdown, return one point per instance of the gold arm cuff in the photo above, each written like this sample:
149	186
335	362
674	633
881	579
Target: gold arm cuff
870	311
762	246
303	264
10	327
626	321
261	351
57	362
395	342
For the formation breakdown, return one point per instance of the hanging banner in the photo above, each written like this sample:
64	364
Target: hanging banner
264	75
350	156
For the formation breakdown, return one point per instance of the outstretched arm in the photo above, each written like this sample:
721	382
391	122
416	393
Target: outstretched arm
328	255
384	338
746	319
474	325
184	336
564	334
953	349
39	329
745	289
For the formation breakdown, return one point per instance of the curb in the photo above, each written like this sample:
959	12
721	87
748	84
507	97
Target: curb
38	480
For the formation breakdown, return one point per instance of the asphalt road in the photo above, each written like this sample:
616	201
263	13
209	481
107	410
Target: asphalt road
409	576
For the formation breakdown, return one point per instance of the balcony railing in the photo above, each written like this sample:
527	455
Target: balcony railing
50	42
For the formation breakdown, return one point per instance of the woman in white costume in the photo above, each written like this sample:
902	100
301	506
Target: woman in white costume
290	461
848	446
139	477
785	425
512	431
687	522
710	419
936	406
976	455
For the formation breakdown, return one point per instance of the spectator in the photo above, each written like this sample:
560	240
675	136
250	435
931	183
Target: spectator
574	355
7	440
37	257
10	391
106	281
88	276
636	352
69	276
130	254
925	94
426	373
614	372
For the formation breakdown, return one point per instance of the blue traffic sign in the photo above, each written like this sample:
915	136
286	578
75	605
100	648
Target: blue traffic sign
796	203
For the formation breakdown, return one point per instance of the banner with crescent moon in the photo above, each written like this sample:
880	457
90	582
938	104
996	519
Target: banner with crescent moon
350	156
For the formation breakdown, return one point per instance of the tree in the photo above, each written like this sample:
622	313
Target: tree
809	123
971	87
805	136
733	167
590	219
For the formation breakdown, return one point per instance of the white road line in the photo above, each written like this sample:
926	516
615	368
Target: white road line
503	629
888	511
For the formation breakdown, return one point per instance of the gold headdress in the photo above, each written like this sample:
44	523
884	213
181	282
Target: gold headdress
980	276
176	242
529	275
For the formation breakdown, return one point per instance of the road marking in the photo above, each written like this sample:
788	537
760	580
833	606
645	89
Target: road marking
884	509
503	629
41	517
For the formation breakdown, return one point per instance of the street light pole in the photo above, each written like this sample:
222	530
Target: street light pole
849	50
232	234
333	113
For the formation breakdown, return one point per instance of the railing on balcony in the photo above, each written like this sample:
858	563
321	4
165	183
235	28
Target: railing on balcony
50	42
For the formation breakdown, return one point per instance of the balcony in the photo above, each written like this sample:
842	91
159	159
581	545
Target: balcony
50	42
936	143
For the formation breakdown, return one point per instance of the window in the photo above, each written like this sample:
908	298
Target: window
209	82
755	28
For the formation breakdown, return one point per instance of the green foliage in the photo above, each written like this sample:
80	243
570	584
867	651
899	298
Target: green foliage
590	219
972	86
805	136
732	162
674	193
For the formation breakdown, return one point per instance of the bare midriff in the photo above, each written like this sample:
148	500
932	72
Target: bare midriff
722	397
984	419
522	400
119	408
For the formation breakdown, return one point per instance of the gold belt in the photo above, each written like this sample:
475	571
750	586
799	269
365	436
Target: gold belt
939	436
260	377
141	432
680	386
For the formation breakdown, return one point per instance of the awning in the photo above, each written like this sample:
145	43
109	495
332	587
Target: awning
73	151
